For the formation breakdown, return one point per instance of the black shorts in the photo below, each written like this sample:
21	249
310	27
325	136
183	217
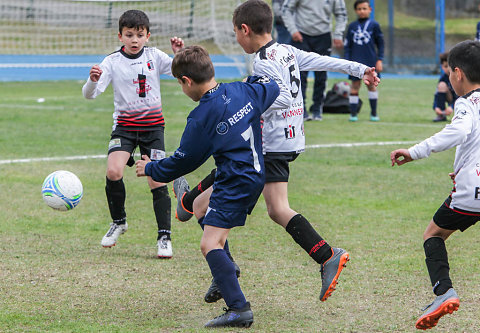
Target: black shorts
151	143
454	219
276	166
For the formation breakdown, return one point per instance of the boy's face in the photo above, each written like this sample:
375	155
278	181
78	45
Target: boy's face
189	89
363	10
243	38
445	67
133	39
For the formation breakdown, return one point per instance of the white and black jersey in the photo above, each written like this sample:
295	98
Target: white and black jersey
136	87
283	122
464	133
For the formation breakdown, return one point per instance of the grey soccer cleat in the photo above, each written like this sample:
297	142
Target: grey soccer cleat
180	187
330	271
213	293
233	318
442	305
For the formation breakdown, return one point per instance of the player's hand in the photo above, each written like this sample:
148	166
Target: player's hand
177	44
370	77
297	37
452	176
379	66
140	165
95	73
338	44
397	154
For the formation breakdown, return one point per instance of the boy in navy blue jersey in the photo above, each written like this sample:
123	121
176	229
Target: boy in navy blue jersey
225	124
445	95
364	44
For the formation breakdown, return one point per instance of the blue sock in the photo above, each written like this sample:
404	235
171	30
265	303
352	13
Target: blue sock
223	273
440	100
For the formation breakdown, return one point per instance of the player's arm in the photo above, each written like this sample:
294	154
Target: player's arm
340	13
380	43
267	90
98	80
271	70
288	16
195	148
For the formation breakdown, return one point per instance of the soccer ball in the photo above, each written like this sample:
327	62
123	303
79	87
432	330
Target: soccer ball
342	89
62	190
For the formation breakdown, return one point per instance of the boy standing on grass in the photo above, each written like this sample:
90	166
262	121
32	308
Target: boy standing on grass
461	209
364	43
134	72
225	124
283	134
445	93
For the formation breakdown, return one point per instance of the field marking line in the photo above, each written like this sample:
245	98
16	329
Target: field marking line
85	157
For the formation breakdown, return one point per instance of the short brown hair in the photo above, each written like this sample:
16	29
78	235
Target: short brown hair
134	19
443	57
194	63
256	14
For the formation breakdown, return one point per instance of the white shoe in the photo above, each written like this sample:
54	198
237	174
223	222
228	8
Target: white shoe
164	248
113	233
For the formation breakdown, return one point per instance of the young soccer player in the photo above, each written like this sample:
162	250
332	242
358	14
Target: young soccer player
134	72
364	43
461	209
225	124
282	131
445	93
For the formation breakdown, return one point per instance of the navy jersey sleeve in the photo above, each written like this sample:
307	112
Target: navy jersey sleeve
379	41
478	32
348	43
195	148
267	90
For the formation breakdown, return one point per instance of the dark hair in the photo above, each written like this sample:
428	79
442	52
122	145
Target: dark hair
443	57
194	63
359	2
466	56
134	19
256	14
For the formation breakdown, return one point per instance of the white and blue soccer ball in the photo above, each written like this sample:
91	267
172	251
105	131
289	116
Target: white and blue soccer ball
62	190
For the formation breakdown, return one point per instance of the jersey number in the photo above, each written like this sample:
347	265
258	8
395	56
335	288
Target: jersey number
248	135
294	82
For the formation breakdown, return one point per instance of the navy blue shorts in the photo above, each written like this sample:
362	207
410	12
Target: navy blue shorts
454	219
224	219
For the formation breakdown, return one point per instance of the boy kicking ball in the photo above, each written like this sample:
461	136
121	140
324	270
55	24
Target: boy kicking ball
461	209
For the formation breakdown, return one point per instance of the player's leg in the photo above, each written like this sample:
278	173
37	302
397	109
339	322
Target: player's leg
440	99
373	99
275	193
321	45
152	144
212	244
120	147
445	222
354	99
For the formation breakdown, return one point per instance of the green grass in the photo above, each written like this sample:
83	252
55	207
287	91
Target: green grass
56	277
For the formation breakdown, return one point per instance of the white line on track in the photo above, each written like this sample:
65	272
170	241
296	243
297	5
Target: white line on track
85	157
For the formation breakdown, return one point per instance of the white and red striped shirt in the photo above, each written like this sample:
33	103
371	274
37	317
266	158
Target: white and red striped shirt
136	87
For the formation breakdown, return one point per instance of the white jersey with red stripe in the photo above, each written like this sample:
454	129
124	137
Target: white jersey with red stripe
283	122
136	87
464	133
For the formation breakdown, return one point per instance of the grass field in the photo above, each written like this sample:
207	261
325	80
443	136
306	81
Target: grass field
55	276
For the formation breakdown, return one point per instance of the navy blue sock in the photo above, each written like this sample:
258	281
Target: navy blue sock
225	247
223	273
440	100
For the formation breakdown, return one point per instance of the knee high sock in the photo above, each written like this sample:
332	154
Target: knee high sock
162	206
436	259
303	233
115	190
223	273
353	99
225	247
206	182
440	100
373	98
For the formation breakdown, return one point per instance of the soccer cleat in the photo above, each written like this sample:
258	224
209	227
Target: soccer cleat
374	118
439	118
330	271
442	305
164	248
353	118
233	318
213	293
180	187
110	238
317	118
